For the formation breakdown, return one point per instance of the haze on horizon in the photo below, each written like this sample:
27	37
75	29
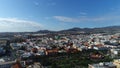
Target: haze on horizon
34	15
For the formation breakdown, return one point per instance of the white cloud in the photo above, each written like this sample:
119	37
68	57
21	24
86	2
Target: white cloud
36	3
83	13
85	19
18	25
66	19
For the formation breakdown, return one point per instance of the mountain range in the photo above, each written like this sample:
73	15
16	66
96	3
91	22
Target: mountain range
109	29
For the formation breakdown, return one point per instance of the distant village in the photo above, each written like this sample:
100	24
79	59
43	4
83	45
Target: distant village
56	50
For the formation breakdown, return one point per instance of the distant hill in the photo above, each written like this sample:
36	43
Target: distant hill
45	31
76	29
109	29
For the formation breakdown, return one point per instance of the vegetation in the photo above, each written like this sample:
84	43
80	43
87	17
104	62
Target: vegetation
71	60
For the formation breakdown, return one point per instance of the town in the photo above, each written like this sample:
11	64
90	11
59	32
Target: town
59	33
77	50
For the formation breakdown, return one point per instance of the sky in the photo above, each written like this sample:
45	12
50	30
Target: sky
34	15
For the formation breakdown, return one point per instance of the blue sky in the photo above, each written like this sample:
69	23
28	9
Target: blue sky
34	15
